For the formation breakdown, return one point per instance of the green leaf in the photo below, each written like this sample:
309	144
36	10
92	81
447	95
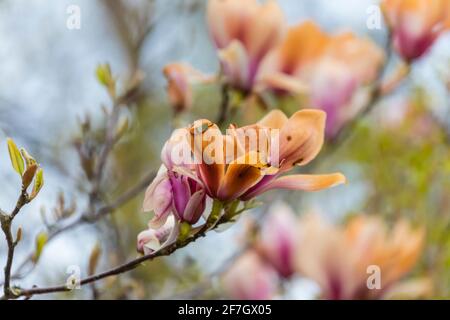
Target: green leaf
15	156
41	241
38	183
104	75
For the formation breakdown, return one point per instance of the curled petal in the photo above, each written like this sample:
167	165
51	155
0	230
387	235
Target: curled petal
305	182
275	119
302	138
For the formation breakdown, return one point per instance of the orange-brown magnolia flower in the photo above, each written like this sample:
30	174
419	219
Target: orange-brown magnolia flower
254	169
341	260
244	31
328	69
416	24
180	78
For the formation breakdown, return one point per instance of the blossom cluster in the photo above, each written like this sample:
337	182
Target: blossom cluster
206	175
340	259
259	53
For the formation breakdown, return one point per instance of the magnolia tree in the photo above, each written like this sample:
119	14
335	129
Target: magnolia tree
311	88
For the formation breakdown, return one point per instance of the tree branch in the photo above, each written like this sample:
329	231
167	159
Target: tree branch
211	224
82	219
6	225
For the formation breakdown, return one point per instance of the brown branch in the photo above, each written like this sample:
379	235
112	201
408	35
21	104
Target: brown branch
82	219
133	264
6	225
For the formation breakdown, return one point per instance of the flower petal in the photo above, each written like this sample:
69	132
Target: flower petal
195	207
302	138
305	182
265	30
240	176
236	65
275	119
208	149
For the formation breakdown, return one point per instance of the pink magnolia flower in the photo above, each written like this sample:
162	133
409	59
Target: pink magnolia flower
341	259
174	192
180	79
416	24
327	69
244	31
250	278
277	239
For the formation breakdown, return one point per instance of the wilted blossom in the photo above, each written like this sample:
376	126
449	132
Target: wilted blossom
173	192
416	24
244	31
328	69
299	140
180	79
250	278
341	259
277	239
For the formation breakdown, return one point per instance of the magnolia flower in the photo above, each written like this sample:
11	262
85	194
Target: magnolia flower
244	31
277	240
180	78
173	192
328	69
254	171
341	260
300	139
250	278
416	24
151	240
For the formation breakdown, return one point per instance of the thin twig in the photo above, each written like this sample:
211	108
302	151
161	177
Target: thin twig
224	105
6	225
133	264
82	219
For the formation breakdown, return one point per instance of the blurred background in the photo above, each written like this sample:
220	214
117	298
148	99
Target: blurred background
397	161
